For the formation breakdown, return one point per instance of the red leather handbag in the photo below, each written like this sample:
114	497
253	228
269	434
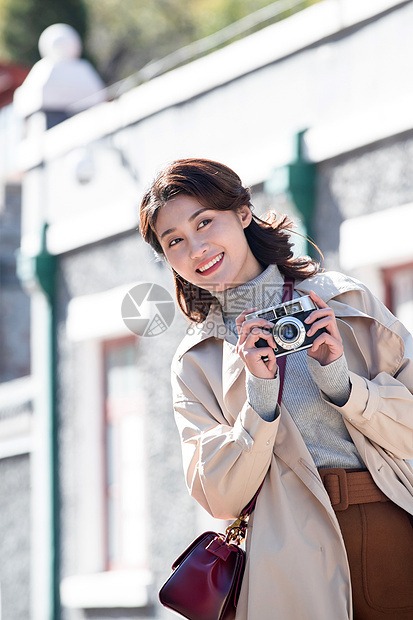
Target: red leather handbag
206	578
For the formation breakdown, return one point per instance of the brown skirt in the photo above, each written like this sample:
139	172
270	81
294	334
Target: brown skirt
378	536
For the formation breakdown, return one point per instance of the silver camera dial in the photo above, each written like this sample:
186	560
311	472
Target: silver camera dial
289	333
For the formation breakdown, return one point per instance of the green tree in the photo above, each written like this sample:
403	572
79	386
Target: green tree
23	21
127	35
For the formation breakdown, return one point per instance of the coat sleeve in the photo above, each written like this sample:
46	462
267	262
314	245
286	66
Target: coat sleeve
224	464
381	406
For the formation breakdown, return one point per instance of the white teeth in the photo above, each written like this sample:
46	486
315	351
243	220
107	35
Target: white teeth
211	262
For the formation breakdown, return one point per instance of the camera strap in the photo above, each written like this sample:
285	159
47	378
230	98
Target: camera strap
287	295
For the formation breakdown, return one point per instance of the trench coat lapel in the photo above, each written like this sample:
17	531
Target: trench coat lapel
233	379
232	365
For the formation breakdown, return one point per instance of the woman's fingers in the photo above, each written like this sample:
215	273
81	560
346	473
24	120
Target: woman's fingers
327	346
261	362
327	339
257	327
320	302
249	333
328	322
322	317
241	318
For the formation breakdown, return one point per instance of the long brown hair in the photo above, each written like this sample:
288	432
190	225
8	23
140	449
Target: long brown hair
218	187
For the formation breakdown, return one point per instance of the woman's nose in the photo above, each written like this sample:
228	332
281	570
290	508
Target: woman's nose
198	248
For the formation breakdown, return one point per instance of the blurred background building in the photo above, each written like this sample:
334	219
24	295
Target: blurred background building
316	114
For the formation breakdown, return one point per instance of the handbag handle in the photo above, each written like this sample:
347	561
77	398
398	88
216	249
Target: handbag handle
236	532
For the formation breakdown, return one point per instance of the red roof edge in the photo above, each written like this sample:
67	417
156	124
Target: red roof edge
11	77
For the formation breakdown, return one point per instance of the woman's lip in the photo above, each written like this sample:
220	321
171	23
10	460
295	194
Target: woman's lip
213	267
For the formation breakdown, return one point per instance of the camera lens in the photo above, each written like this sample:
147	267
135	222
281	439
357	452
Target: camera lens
289	333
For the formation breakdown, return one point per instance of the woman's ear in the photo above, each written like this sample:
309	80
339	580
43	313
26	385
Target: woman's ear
245	215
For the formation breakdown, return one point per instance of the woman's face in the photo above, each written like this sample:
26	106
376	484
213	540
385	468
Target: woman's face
205	246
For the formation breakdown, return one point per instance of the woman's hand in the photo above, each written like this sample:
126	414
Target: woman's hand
249	332
328	346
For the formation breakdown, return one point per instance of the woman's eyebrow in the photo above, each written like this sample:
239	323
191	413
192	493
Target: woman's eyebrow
192	217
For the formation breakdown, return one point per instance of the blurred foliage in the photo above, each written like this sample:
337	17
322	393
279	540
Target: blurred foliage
122	36
127	35
23	21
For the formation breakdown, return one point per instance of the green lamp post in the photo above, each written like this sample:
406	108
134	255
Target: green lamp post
297	180
37	272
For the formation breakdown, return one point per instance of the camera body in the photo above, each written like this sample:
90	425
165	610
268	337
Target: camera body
289	330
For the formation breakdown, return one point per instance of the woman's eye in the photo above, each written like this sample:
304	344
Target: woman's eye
204	223
174	242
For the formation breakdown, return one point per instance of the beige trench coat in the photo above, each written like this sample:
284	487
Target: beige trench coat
296	560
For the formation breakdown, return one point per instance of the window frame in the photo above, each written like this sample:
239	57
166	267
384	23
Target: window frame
114	417
388	274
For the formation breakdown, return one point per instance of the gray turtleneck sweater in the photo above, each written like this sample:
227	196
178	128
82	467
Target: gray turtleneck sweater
320	425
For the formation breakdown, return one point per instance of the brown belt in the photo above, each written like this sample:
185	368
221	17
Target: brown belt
346	487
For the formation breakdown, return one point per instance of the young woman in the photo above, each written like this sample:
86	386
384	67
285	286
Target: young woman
331	531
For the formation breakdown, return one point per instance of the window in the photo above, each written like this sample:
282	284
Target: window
399	292
125	473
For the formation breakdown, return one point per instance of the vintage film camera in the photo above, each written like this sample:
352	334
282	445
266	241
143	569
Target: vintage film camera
289	329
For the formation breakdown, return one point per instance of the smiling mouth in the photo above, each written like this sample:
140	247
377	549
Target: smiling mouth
211	263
